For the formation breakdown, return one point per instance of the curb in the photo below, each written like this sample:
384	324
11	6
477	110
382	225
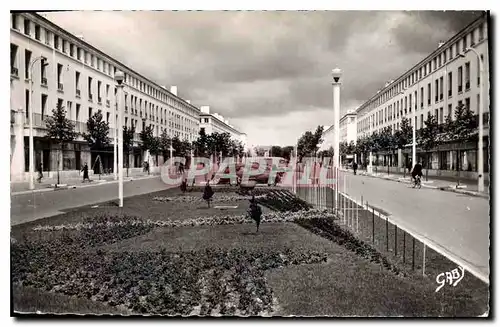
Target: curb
52	189
441	188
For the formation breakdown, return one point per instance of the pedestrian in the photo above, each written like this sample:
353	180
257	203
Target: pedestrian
354	167
85	170
40	173
255	212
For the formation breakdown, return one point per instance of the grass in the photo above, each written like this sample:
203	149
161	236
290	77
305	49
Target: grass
224	269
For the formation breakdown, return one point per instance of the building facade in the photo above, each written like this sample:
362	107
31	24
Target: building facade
80	78
448	77
348	128
215	122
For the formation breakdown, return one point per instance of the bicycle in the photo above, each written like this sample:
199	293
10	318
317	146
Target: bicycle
417	182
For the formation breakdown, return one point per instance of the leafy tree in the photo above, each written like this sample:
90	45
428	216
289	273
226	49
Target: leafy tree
309	143
276	151
165	142
147	138
201	144
428	138
128	142
60	130
155	147
98	129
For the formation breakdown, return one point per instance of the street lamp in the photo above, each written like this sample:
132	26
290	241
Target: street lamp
480	157
336	74
119	77
44	63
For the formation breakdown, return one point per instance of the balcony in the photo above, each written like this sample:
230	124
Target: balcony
99	100
60	87
467	85
90	97
78	93
107	103
44	81
14	71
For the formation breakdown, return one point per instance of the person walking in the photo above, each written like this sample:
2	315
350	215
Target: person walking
40	173
354	167
85	170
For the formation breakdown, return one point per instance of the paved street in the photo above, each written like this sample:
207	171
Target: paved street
28	207
456	222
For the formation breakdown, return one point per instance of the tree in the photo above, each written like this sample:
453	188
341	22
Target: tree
98	129
97	136
128	142
60	130
428	138
404	135
276	151
287	152
461	129
309	143
165	142
155	147
147	138
201	144
388	142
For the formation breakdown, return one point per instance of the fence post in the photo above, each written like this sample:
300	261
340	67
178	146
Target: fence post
404	246
423	264
386	234
413	255
396	239
373	225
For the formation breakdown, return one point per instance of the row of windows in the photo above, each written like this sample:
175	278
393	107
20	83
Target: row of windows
393	111
377	121
93	60
453	51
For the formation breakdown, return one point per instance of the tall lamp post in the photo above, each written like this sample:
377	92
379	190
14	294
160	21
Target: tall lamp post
44	63
115	143
480	154
336	74
119	77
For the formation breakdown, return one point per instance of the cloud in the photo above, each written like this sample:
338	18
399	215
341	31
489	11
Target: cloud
268	72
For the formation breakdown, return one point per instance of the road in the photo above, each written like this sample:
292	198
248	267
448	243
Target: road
29	207
456	222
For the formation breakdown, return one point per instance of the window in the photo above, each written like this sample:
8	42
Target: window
27	29
99	92
90	88
43	73
56	42
68	107
439	60
425	70
421	121
421	97
429	94
444	56
59	77
441	112
13	60
480	32
77	111
449	111
479	70
86	57
450	84
27	102
37	32
441	80
464	43
472	37
451	53
107	117
64	46
77	83
467	76
79	54
15	22
44	104
460	79
457	49
90	112
416	100
47	37
467	103
92	58
410	103
72	50
436	84
27	61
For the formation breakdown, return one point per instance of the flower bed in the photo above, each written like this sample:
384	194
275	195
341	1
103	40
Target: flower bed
328	229
120	227
284	200
216	198
208	282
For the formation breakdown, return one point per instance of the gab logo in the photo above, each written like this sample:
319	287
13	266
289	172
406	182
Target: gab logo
452	277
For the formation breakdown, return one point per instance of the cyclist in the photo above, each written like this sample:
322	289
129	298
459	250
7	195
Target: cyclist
416	171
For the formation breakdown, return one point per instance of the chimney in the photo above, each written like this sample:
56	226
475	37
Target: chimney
205	109
173	90
440	44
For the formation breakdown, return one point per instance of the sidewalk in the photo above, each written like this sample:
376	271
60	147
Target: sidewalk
66	183
448	184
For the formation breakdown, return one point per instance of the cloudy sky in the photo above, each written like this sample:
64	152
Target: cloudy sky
268	72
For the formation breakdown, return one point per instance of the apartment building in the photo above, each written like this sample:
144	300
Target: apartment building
348	127
449	76
80	78
217	123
